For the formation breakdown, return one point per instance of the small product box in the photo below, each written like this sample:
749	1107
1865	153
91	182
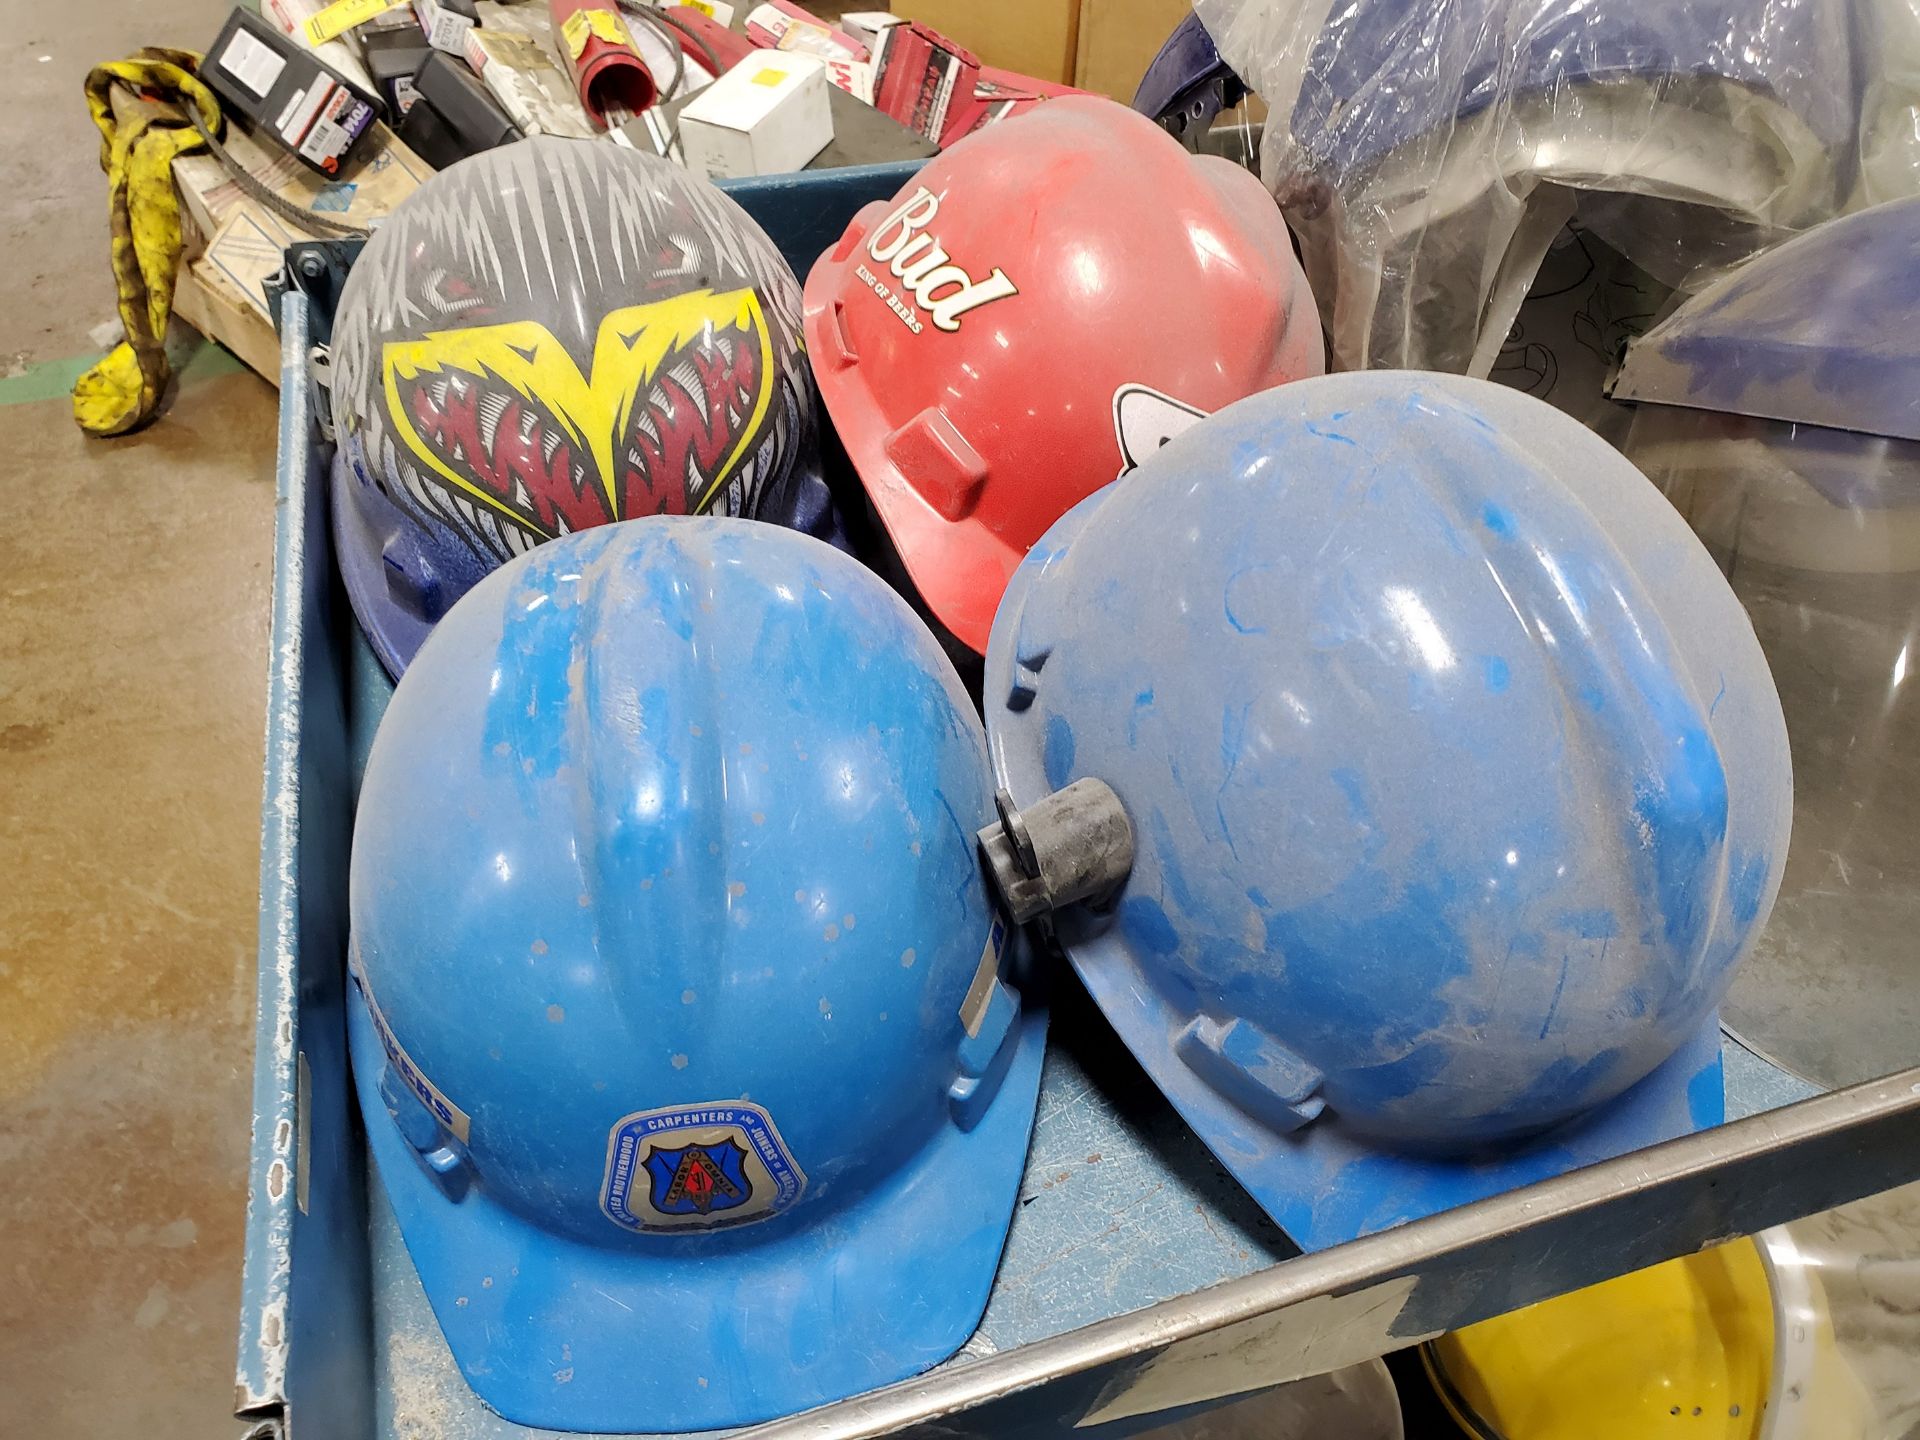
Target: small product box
282	93
393	56
768	115
446	23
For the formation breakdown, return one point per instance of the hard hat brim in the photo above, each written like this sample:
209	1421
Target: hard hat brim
554	1332
395	633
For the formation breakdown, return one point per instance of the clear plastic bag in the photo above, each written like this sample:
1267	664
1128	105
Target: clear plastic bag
1846	1287
1818	532
1428	155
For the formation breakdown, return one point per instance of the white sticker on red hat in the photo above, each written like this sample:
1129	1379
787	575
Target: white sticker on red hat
1144	420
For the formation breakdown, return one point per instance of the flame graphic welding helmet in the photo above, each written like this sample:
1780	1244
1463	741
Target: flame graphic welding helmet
546	337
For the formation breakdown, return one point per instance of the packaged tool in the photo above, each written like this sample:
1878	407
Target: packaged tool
278	90
456	116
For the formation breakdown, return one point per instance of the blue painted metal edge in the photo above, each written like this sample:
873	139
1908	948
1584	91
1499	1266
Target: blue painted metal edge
303	1202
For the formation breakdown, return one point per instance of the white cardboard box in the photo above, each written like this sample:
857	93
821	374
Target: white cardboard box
446	28
766	116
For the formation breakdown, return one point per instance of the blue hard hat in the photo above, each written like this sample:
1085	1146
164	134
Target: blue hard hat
682	1036
1457	779
549	336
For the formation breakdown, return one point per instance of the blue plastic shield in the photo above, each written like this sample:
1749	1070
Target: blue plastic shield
1818	332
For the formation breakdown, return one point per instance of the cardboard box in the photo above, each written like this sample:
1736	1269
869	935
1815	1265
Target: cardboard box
1118	40
446	23
997	95
530	86
290	18
1032	37
766	116
920	78
862	135
227	320
864	26
384	176
221	294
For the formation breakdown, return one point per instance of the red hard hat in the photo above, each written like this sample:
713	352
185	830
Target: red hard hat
1040	305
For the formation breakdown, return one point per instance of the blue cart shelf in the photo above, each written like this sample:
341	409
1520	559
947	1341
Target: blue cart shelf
1138	1283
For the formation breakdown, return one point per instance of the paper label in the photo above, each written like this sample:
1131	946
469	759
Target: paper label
584	25
335	197
342	16
335	130
717	11
254	64
773	21
853	76
294	127
986	978
446	29
935	120
408	1074
324	143
769	76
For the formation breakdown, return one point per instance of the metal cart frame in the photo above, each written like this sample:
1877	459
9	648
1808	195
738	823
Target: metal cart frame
307	1366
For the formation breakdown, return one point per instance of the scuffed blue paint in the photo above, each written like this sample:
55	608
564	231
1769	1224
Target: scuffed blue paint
1148	923
670	813
1326	432
1141	702
1749	873
1059	751
1475	869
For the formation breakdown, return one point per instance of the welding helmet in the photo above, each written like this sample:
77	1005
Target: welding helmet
543	338
681	1033
1457	781
1427	156
1016	327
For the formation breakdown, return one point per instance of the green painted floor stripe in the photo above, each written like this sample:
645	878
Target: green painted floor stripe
54	379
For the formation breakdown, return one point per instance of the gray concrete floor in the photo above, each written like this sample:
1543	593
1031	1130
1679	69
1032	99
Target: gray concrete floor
134	585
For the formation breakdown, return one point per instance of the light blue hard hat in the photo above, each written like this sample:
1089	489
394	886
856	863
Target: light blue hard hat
1457	781
681	1037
